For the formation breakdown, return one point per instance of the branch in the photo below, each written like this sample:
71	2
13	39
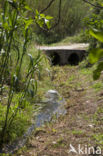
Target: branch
59	15
47	6
97	6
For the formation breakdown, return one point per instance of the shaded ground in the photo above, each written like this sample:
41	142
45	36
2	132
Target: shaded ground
83	123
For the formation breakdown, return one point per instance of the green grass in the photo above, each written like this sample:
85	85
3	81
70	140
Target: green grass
77	132
78	38
25	113
99	138
20	122
98	86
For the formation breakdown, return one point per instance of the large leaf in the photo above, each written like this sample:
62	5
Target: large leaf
95	55
47	22
28	8
37	13
97	72
49	17
96	75
97	34
31	59
28	23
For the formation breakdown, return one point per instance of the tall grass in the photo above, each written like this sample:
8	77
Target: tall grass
20	70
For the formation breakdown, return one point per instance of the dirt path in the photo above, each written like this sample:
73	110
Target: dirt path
83	123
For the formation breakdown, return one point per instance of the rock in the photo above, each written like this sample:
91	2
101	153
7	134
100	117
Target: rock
52	94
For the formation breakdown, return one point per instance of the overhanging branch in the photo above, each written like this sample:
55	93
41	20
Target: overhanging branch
97	6
59	15
47	6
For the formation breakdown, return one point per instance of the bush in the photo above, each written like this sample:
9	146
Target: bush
19	68
73	10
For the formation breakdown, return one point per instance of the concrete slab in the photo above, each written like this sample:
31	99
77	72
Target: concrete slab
77	46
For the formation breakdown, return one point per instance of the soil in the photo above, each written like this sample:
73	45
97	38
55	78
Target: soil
83	123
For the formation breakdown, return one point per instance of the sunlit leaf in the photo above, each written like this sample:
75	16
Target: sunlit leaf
49	17
42	15
40	22
95	55
97	34
97	72
28	8
28	23
37	13
48	23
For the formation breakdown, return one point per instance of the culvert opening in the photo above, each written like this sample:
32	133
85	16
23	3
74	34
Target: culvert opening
55	58
73	59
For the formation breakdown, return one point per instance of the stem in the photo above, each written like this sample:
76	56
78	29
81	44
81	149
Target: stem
7	113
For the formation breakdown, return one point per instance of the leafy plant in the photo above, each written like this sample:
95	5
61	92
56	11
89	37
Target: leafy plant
95	29
15	35
96	54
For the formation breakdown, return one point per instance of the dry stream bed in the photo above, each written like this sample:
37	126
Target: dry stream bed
83	122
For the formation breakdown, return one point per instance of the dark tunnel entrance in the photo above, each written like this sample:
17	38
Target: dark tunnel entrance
55	58
73	59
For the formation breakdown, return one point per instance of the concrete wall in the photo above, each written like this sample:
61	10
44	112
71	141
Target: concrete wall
65	55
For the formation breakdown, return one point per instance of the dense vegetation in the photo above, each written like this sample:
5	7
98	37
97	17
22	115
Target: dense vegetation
19	70
68	26
23	68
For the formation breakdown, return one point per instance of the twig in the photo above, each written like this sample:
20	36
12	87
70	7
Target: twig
59	16
47	6
97	6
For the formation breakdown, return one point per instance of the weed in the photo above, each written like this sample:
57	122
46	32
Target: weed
77	132
20	70
98	138
59	143
97	86
71	78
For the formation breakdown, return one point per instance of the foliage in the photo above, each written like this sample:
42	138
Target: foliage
94	20
72	24
95	29
96	54
16	75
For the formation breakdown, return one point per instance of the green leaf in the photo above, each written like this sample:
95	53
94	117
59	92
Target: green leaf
37	13
6	26
97	34
95	55
41	22
49	17
15	78
97	72
48	23
31	59
42	15
28	8
96	75
28	23
100	67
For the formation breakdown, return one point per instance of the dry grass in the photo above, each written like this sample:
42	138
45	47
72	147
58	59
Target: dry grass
83	122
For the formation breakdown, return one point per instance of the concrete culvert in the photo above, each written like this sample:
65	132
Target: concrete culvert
55	58
73	59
